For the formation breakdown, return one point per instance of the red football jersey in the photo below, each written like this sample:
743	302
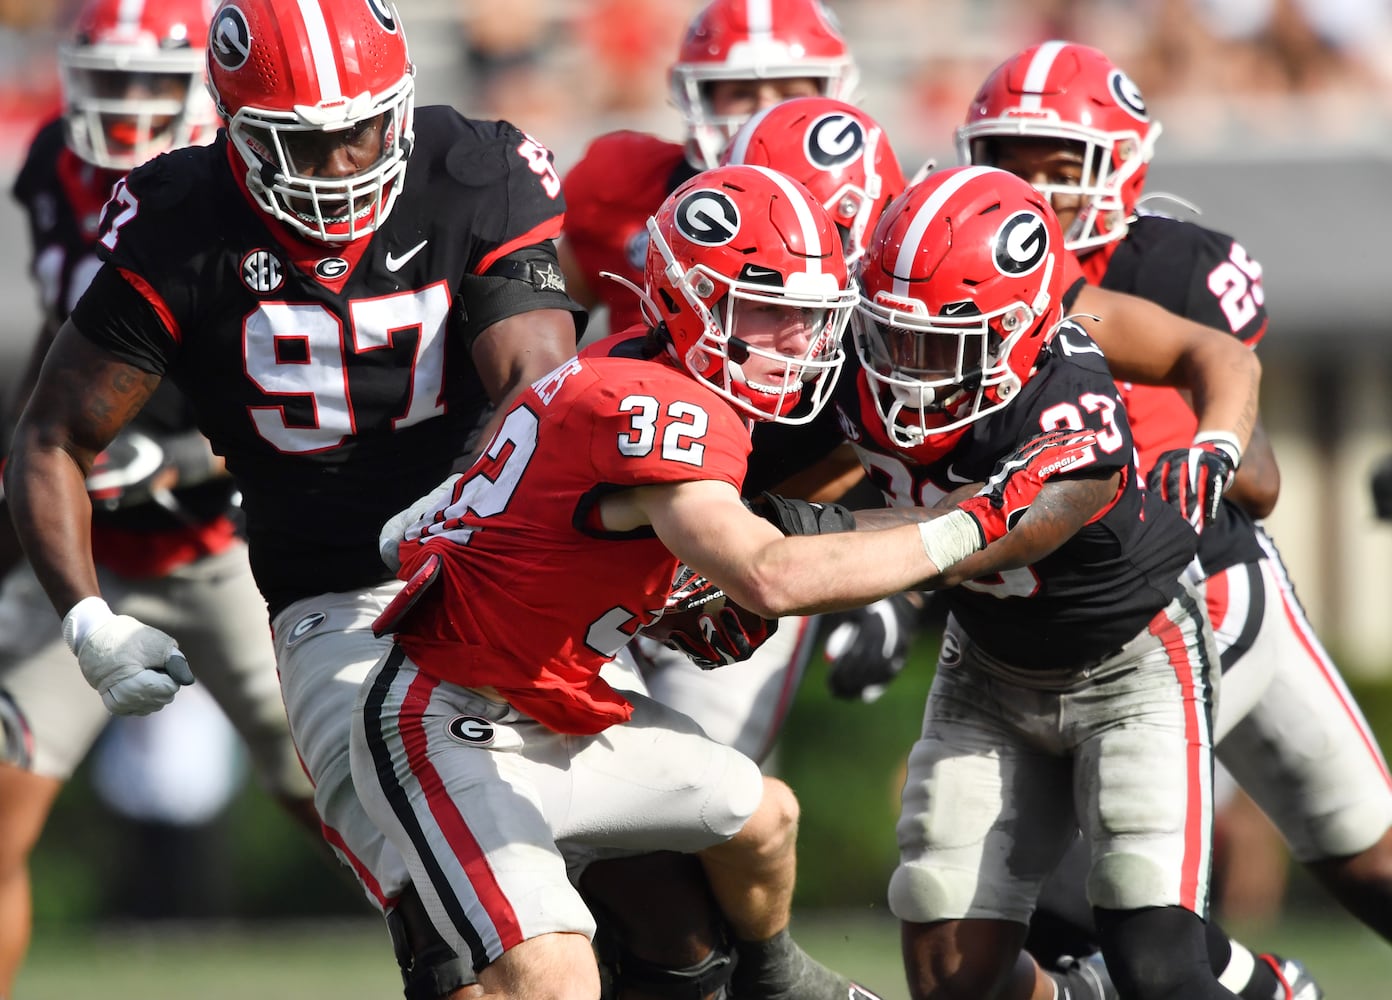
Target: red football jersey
621	180
535	595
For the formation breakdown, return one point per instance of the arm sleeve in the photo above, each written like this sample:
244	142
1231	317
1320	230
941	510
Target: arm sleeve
524	280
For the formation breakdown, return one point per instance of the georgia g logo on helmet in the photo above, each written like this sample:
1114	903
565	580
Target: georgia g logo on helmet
229	39
833	140
1128	95
707	217
382	11
1021	243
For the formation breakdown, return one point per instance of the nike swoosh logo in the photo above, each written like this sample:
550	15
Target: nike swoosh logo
953	308
954	477
396	263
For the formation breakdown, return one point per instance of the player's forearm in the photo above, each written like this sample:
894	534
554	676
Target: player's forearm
1258	481
52	516
1224	378
804	575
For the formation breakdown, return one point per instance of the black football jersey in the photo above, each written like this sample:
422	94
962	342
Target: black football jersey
1208	277
62	197
335	379
1102	586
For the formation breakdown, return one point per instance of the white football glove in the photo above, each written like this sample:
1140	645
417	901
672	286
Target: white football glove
135	668
393	533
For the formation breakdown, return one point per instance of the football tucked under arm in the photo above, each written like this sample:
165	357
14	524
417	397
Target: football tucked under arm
708	627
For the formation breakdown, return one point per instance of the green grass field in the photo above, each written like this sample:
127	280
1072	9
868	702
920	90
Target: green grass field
351	960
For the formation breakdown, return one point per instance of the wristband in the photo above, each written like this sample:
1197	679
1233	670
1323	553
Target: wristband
1224	442
84	618
951	538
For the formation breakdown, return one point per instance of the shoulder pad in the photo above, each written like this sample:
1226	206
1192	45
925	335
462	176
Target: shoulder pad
476	155
1071	342
167	180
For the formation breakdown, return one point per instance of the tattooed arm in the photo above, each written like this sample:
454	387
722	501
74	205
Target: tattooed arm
83	397
1061	509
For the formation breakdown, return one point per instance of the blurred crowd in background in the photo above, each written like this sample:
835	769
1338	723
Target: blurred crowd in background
1270	71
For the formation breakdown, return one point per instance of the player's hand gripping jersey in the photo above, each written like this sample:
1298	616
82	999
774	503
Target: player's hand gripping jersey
350	363
525	556
1104	584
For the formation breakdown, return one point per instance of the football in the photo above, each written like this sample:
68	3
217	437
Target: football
685	617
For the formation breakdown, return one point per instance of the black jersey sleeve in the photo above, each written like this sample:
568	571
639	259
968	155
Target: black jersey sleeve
1072	389
1196	272
155	233
523	280
116	317
509	191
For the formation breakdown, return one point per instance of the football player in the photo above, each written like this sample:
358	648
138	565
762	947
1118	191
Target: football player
1067	119
487	744
1073	686
162	535
340	323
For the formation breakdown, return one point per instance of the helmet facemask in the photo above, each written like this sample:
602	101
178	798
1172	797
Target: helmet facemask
324	208
1108	164
709	132
774	385
933	374
126	104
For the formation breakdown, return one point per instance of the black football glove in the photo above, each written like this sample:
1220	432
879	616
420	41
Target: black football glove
868	647
1382	489
1193	479
802	517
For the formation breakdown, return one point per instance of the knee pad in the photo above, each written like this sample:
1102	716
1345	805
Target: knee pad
429	967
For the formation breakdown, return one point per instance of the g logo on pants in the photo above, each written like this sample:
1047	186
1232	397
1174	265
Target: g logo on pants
471	730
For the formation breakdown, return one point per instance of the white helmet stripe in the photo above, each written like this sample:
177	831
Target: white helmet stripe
926	213
321	47
760	13
130	11
1038	74
811	239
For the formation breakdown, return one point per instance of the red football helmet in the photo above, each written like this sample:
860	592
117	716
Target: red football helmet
293	81
1059	90
132	77
960	289
739	250
836	150
754	40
